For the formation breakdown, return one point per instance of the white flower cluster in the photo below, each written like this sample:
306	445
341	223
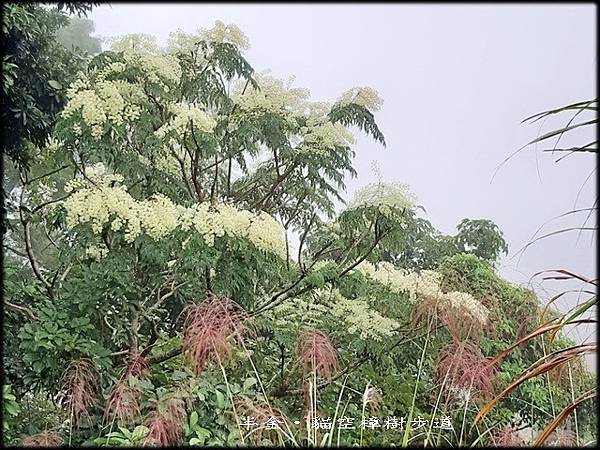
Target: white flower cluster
470	304
159	67
104	203
183	114
142	50
226	33
96	252
385	196
361	318
180	41
425	284
138	43
45	192
110	69
354	316
100	205
260	229
96	174
326	136
101	104
273	96
316	113
79	84
363	96
91	108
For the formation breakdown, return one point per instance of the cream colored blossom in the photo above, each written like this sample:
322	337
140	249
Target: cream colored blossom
361	318
142	51
100	105
385	196
469	304
327	136
273	96
267	234
316	113
81	83
366	268
363	96
160	67
90	105
424	284
110	69
230	34
135	43
354	316
96	252
106	203
185	114
180	41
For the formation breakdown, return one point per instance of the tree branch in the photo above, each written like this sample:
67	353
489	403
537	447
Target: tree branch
278	181
166	356
22	309
303	238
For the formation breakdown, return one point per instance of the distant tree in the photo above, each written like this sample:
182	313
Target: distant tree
77	34
481	237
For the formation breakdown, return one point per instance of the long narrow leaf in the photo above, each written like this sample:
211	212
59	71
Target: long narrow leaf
560	131
568	274
544	328
556	360
569	320
577	106
546	432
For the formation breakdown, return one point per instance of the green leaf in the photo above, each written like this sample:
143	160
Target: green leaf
12	408
193	419
249	382
220	399
125	432
202	432
139	432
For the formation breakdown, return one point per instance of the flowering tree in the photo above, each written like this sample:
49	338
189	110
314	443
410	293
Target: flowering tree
163	210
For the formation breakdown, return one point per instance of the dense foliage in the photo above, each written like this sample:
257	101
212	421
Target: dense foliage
34	68
152	297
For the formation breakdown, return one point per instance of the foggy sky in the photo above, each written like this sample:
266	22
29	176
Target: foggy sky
456	80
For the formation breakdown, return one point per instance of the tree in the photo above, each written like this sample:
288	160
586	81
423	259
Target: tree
35	67
482	237
171	296
77	34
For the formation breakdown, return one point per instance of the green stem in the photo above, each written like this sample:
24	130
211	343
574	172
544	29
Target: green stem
412	407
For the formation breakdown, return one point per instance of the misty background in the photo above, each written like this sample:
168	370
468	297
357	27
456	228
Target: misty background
456	80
